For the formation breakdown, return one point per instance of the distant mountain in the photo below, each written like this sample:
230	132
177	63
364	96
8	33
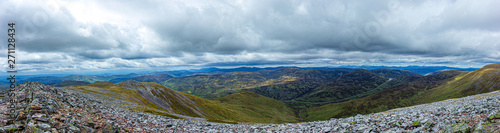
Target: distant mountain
154	98
331	68
118	80
422	70
152	78
2	88
43	80
57	78
393	73
210	71
68	83
90	79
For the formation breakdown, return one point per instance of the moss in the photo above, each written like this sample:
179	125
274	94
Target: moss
14	128
415	123
491	117
37	130
460	128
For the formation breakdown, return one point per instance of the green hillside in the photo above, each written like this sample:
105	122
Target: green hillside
260	108
484	80
152	78
401	95
157	99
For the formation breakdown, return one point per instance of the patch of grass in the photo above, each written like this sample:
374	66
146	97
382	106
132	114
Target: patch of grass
14	128
322	112
415	123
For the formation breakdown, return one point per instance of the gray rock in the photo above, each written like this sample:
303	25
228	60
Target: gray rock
43	126
74	129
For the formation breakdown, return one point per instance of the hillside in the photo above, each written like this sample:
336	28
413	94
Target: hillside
295	82
393	73
307	80
484	80
348	85
157	99
265	109
152	78
299	88
401	95
213	86
426	89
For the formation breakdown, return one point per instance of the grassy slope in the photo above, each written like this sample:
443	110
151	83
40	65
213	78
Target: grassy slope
239	107
484	80
260	108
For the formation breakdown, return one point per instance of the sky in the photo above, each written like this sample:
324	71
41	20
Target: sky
93	35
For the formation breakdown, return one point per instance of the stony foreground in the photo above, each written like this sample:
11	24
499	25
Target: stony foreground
43	108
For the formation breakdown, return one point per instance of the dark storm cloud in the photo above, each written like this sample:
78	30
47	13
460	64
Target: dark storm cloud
164	33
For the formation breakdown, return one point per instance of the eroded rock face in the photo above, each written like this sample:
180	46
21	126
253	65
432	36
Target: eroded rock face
44	108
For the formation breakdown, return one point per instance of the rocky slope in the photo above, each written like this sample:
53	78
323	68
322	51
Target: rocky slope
50	109
154	98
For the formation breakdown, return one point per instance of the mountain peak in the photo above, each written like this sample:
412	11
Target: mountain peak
495	66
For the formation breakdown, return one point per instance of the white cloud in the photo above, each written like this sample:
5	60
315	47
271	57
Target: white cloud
152	34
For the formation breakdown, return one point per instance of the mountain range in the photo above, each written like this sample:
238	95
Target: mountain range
279	95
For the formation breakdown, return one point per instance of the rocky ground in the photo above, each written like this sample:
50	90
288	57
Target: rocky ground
43	108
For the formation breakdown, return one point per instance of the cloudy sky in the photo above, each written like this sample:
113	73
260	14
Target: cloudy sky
88	35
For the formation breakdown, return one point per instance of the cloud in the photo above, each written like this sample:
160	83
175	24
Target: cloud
105	35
